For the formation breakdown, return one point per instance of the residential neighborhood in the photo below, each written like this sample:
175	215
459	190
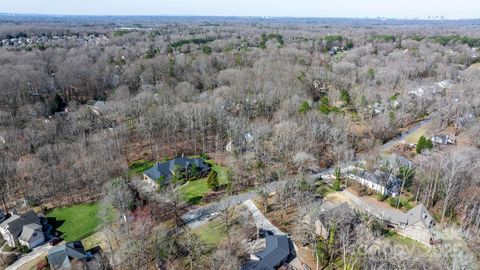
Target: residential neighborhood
246	136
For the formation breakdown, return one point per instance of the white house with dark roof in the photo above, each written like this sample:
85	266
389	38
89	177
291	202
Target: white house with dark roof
22	229
416	224
386	184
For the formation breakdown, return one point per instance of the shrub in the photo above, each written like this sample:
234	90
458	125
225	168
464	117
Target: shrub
212	180
381	197
345	96
305	107
204	156
336	184
57	105
423	144
206	49
24	249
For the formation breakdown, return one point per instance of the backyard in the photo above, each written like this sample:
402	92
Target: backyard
194	191
139	166
75	222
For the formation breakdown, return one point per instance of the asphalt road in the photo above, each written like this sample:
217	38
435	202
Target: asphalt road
199	216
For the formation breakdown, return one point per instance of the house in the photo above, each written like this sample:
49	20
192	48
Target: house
339	217
384	183
162	173
278	251
395	162
12	230
32	235
443	139
68	256
416	224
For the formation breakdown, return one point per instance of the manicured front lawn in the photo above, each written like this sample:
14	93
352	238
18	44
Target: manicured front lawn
193	191
75	222
139	166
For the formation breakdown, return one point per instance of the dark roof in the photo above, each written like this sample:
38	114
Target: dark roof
16	222
59	255
279	249
418	213
165	169
391	183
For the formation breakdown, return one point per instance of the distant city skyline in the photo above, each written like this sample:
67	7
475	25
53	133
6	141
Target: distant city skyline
424	9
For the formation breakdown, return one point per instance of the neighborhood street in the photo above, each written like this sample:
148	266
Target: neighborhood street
199	216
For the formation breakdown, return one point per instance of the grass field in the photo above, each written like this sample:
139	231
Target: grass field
211	233
139	166
194	191
75	222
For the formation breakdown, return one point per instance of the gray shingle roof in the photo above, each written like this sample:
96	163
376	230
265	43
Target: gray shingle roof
29	230
279	249
165	169
59	255
16	222
418	213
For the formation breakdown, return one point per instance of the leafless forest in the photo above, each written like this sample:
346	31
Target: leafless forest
288	97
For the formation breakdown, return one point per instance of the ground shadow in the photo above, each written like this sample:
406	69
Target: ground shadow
55	223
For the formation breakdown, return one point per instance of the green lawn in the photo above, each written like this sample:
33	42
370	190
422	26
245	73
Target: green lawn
139	166
75	222
211	233
194	191
422	131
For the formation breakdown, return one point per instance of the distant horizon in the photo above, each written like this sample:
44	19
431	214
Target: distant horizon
352	9
232	16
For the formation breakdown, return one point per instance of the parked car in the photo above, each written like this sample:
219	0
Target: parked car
54	241
212	216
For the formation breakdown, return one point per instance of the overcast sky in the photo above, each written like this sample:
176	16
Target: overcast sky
452	9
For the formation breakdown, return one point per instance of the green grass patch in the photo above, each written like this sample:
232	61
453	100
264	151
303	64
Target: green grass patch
75	222
211	233
8	248
194	191
422	131
139	166
222	173
409	243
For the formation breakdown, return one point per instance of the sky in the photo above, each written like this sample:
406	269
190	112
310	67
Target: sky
451	9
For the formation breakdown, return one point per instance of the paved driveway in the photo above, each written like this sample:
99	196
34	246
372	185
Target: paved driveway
34	254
